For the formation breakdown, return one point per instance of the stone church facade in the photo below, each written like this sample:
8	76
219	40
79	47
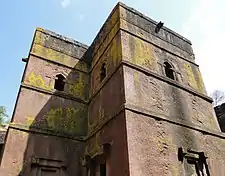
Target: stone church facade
131	104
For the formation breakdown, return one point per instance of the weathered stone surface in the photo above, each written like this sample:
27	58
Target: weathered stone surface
119	106
107	102
111	58
151	57
66	153
113	132
134	17
49	126
42	74
104	36
50	112
153	147
159	97
49	39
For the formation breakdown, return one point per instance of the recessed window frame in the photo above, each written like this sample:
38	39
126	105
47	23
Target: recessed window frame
60	82
169	70
103	72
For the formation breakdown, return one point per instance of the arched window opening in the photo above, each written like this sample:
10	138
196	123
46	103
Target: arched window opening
59	82
103	72
169	70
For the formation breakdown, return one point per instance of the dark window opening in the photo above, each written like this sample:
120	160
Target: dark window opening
103	169
103	72
99	165
169	70
49	172
59	82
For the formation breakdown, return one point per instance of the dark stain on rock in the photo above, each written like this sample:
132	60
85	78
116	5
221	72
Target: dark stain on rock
184	137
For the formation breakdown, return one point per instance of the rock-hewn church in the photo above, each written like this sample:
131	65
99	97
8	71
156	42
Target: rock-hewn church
133	103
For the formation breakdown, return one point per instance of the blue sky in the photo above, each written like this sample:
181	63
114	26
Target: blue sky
201	21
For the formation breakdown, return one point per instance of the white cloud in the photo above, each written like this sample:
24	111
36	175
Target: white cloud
65	3
205	28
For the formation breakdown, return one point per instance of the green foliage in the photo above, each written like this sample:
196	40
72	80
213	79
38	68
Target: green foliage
3	114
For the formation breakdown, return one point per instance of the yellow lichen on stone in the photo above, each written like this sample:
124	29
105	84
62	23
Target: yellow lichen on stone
54	117
71	123
122	12
39	38
143	53
136	78
65	119
50	54
115	51
40	29
107	38
94	148
92	124
194	79
58	57
38	81
114	17
30	121
109	25
191	78
77	89
124	24
200	81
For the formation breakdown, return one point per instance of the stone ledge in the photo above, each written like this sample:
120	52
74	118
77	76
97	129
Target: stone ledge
156	116
165	79
59	94
25	128
58	63
108	40
154	22
125	106
100	34
56	50
61	37
104	122
42	40
103	83
91	96
179	54
161	117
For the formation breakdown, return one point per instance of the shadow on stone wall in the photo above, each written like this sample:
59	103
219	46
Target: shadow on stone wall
50	149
